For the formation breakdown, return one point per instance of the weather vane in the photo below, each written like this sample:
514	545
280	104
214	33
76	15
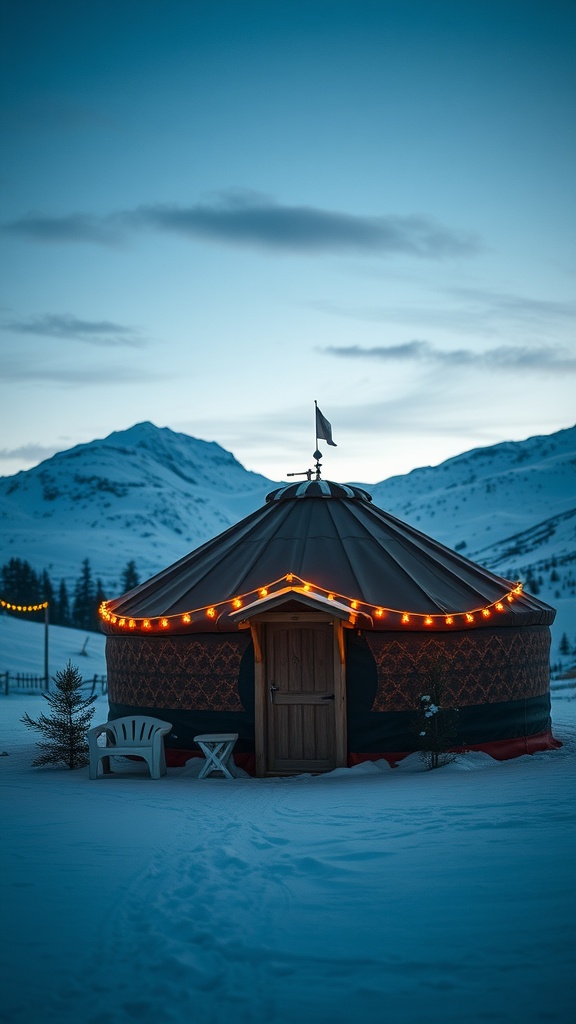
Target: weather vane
324	433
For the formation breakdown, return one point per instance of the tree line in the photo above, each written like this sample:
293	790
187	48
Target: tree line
22	585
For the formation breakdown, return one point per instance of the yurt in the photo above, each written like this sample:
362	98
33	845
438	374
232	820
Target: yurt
310	628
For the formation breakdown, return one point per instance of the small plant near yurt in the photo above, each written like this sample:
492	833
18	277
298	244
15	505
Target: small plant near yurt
437	725
66	727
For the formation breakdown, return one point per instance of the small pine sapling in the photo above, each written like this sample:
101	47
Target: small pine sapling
65	729
437	725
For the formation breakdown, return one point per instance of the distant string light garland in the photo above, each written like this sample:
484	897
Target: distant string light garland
212	611
23	607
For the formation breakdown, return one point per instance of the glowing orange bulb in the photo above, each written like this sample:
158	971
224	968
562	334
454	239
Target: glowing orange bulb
307	586
186	618
122	622
469	618
211	613
164	623
499	607
289	577
509	598
146	624
330	597
354	604
428	621
379	613
131	624
237	602
405	618
486	613
449	620
263	592
114	620
518	589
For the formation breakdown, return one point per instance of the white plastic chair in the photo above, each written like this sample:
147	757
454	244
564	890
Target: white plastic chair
132	736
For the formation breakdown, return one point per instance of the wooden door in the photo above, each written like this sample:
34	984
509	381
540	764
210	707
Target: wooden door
302	705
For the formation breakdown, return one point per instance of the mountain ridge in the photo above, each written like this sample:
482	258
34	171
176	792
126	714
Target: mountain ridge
151	494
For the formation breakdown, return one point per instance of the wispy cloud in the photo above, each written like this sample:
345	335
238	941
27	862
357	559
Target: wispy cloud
28	453
248	219
71	228
477	311
103	333
17	370
261	221
503	357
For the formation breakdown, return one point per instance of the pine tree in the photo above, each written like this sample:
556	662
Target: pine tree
84	599
46	588
564	645
65	729
437	725
99	597
63	605
21	585
130	577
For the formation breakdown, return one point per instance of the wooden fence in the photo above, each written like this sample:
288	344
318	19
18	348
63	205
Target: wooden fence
25	681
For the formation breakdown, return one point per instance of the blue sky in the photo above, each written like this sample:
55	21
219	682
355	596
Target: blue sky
214	213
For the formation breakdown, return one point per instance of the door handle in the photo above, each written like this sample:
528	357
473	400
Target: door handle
273	690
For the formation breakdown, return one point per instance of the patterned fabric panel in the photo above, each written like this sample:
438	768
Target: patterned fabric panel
197	673
484	667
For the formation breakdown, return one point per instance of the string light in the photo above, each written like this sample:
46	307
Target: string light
378	612
23	607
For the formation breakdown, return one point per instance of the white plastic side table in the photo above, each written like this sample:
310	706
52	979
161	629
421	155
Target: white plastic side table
217	748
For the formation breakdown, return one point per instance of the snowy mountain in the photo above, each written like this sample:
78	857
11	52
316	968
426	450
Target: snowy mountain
146	493
152	495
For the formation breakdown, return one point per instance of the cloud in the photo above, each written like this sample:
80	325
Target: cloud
260	221
247	219
21	371
478	311
29	453
104	333
504	357
74	227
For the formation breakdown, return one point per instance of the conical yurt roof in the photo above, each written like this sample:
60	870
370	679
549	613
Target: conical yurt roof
331	539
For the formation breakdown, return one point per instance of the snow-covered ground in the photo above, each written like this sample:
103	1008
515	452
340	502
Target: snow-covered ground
22	648
370	893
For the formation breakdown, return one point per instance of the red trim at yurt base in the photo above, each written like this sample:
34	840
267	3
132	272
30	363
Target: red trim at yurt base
500	750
